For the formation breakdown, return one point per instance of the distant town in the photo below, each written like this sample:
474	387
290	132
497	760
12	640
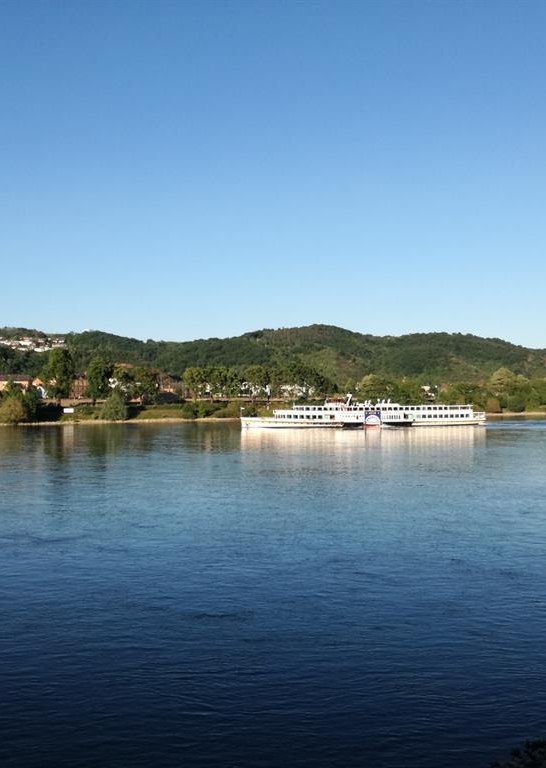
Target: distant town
33	343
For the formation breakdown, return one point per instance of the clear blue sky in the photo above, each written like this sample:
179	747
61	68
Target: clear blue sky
191	169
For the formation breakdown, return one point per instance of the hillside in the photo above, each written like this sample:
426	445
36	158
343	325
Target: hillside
335	352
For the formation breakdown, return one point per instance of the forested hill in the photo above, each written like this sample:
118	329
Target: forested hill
336	353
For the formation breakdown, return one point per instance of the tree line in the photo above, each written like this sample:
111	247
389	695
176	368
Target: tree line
118	384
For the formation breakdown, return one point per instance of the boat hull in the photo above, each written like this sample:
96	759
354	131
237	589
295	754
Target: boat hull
255	422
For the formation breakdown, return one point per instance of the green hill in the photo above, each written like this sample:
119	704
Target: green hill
337	353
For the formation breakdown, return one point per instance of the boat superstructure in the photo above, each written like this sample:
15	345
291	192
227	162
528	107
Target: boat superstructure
299	416
348	413
430	414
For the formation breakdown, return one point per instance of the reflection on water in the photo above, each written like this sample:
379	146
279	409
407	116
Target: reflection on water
421	439
377	450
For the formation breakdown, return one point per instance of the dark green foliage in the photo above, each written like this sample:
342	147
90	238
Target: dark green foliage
250	410
145	384
18	361
516	402
333	352
319	359
98	374
17	406
230	411
12	410
31	404
206	409
58	372
188	411
85	412
114	407
492	405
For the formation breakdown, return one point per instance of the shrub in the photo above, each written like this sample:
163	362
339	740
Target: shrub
516	403
114	407
204	409
12	410
230	411
85	412
492	405
188	411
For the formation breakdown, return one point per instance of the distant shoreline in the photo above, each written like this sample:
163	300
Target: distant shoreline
229	420
166	420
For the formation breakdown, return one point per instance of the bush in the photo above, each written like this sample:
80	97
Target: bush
85	412
230	411
31	403
188	411
516	403
204	409
492	405
12	410
114	408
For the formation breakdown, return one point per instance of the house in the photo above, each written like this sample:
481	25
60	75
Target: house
78	387
40	387
166	383
20	380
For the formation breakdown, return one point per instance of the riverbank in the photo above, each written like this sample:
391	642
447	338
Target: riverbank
166	420
517	415
212	419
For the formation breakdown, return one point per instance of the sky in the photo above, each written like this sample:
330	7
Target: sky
181	170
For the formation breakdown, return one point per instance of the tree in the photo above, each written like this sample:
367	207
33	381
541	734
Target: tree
257	376
462	393
124	379
114	407
16	405
195	380
146	383
59	372
374	387
232	387
216	377
31	403
12	410
516	402
492	405
98	375
410	392
502	381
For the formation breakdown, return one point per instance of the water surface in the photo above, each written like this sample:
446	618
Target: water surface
193	595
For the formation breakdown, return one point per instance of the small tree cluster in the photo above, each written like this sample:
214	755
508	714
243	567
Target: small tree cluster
220	381
504	390
59	372
17	406
136	382
114	407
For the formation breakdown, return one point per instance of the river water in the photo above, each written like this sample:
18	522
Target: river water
187	595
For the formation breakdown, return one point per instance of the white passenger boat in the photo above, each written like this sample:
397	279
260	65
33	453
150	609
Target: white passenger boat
347	414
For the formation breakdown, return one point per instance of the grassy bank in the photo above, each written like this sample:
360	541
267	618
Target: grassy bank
188	411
